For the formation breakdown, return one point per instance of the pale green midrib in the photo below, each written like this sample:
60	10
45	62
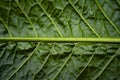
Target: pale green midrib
112	40
105	66
115	27
50	19
35	33
84	19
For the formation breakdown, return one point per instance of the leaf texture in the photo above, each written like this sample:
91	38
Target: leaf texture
59	19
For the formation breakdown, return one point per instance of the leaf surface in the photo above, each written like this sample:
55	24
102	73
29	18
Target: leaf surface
59	19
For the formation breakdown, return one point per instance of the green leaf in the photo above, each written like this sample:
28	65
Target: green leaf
59	40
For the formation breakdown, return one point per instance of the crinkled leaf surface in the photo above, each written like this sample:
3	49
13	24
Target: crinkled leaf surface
64	19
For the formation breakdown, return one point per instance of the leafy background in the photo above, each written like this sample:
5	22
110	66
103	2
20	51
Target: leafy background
59	18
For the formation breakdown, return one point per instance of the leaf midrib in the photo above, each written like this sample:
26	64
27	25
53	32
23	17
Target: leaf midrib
102	40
